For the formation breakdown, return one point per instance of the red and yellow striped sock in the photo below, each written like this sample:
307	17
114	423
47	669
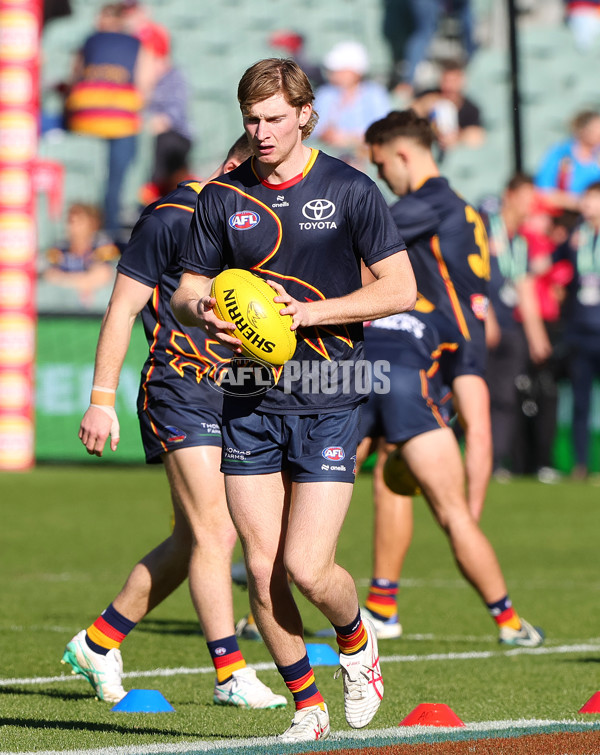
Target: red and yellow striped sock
504	614
351	638
300	680
226	657
108	631
381	600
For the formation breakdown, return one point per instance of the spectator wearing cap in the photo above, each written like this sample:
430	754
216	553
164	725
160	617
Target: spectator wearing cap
167	112
583	18
348	103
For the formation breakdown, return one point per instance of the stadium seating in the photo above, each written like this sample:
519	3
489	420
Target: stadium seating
215	40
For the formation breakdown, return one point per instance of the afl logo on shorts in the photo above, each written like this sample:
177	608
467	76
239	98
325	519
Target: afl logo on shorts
243	221
333	453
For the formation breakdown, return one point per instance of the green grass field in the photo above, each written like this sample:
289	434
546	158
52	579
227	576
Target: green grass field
69	536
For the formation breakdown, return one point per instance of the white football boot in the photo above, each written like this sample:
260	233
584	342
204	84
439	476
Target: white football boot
246	629
527	636
384	629
103	672
308	725
245	690
363	684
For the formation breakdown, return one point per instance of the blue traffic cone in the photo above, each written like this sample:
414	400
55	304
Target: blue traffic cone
143	701
321	654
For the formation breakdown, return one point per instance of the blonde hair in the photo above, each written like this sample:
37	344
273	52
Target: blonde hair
277	76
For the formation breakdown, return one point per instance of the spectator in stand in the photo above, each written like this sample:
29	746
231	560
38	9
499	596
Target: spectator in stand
583	18
571	166
292	43
111	80
85	261
168	121
348	103
515	330
426	16
138	19
455	118
582	320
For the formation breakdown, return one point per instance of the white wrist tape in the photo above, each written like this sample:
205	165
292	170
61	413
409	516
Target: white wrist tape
110	410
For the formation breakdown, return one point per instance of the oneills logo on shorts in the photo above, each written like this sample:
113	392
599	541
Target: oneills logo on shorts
242	324
245	220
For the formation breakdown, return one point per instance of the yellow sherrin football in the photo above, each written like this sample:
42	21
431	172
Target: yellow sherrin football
246	300
398	477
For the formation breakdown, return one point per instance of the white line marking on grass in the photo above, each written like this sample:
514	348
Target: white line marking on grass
269	666
481	654
394	734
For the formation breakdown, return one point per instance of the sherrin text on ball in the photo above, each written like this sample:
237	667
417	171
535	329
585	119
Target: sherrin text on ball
246	300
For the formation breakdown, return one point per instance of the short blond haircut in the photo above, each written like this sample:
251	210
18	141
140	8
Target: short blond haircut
277	76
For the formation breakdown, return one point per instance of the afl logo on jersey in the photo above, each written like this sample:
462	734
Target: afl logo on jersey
243	221
318	209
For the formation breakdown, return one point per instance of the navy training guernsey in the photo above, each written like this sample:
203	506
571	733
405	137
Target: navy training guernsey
310	235
412	339
448	249
182	361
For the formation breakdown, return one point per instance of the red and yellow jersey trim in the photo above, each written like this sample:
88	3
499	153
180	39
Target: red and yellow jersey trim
450	289
173	204
430	402
314	153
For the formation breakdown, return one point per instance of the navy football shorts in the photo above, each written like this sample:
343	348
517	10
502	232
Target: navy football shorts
469	359
167	427
311	448
410	408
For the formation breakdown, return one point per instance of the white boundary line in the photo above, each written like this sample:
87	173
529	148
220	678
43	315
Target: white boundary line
396	735
589	647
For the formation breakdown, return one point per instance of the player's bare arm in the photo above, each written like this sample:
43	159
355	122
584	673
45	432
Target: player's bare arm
193	306
100	420
392	290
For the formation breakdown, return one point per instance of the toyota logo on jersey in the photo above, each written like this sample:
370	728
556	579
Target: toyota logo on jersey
318	209
244	220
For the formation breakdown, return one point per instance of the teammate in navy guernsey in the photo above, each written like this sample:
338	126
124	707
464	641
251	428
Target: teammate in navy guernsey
305	222
180	416
448	248
447	245
411	417
238	223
